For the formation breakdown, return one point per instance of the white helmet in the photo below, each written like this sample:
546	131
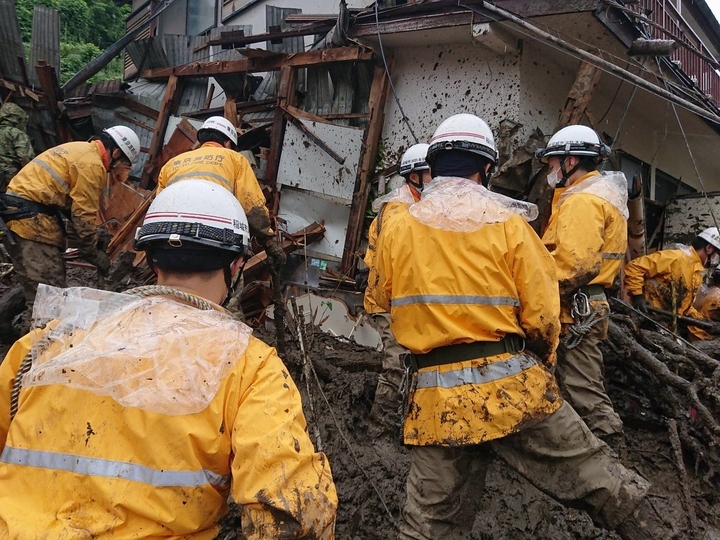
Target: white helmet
414	159
575	140
711	236
221	125
127	141
465	132
195	212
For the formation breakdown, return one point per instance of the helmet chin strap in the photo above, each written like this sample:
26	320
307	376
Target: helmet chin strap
565	173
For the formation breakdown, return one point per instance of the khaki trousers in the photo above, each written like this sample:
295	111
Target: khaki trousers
559	455
387	394
36	263
580	373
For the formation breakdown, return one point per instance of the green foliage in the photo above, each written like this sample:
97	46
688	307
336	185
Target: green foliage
87	28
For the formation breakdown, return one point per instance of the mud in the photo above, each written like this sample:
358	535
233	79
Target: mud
366	469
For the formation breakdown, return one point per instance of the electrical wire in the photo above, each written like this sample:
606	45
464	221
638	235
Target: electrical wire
387	72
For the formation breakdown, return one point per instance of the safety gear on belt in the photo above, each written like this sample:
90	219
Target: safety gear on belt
584	316
127	141
414	159
14	207
221	125
711	236
195	213
465	132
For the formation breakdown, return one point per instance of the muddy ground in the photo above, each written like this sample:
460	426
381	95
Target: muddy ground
366	469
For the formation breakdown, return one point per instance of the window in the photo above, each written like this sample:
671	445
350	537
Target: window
200	16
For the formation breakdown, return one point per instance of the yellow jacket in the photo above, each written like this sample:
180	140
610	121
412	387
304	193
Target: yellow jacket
223	166
670	279
77	464
70	177
710	308
445	287
587	238
388	210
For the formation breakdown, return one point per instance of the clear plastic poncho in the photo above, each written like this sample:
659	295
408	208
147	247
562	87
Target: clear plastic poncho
401	194
154	353
611	186
461	205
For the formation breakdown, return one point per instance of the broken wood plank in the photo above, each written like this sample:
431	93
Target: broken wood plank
169	105
48	78
376	107
286	96
209	97
269	63
295	121
235	39
138	123
127	231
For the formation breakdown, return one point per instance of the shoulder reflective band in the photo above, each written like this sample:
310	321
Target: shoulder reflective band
52	173
456	299
618	256
476	374
203	175
112	469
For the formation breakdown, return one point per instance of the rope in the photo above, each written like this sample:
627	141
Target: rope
579	330
142	292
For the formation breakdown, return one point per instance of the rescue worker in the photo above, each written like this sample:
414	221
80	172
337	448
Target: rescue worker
65	179
145	410
16	151
473	295
670	279
218	162
587	238
416	172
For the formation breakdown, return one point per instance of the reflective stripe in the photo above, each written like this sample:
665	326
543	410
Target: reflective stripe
475	375
618	256
111	469
52	173
456	299
205	174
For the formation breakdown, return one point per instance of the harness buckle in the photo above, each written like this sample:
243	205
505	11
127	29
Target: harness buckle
580	305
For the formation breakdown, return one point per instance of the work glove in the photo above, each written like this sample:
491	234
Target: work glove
361	279
101	261
640	303
276	255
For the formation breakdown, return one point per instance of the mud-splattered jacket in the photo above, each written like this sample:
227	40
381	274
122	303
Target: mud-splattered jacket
15	147
463	281
76	463
670	279
404	195
70	177
226	167
587	238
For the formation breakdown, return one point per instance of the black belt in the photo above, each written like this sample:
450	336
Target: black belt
592	290
511	343
15	207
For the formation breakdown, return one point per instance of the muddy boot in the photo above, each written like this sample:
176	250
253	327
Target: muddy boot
644	524
616	442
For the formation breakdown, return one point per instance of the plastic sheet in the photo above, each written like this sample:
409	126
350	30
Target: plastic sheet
609	185
461	205
401	194
156	353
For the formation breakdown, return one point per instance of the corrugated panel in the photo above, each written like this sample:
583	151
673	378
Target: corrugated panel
228	54
275	16
177	50
45	43
150	92
193	96
148	53
12	51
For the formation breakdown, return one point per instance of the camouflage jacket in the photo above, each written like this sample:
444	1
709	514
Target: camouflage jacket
15	148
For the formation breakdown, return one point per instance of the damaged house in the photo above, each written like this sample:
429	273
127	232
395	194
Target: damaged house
327	96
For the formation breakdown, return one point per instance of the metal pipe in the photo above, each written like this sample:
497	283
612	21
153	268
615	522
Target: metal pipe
599	62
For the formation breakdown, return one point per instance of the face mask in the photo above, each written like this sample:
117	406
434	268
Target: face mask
714	260
554	178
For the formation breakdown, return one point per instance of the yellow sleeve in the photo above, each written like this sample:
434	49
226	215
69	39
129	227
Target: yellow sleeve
88	179
382	292
648	266
162	179
285	487
8	370
247	188
579	240
533	271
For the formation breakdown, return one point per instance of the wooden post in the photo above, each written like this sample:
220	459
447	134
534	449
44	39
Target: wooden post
368	156
285	97
576	103
51	87
169	106
230	111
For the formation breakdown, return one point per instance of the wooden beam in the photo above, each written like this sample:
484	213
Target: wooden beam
234	39
22	91
295	121
368	156
169	105
265	63
286	97
50	85
138	123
